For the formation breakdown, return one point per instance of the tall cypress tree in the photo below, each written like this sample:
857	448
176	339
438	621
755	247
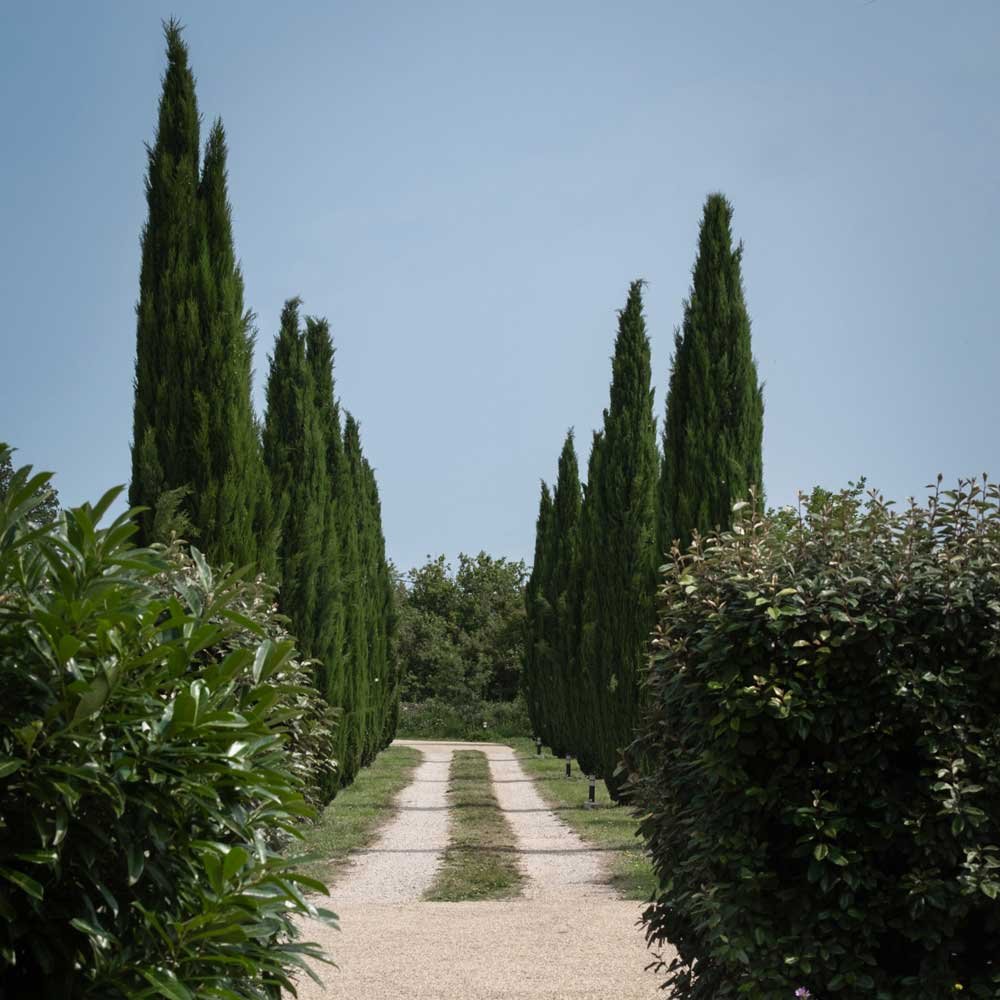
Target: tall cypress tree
712	434
536	612
583	695
566	503
380	615
621	549
295	454
329	582
168	330
233	499
354	698
193	422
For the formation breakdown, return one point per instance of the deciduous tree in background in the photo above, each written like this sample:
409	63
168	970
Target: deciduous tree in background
461	636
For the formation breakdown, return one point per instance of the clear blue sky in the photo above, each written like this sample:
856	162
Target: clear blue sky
466	190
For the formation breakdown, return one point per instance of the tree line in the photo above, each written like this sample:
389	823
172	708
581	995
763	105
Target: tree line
293	497
590	598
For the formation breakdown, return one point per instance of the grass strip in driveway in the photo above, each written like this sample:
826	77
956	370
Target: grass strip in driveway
353	819
481	859
607	826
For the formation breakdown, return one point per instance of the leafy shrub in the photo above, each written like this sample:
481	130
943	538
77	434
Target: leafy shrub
147	770
820	753
439	720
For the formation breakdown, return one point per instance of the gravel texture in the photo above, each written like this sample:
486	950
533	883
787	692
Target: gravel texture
400	866
555	860
567	938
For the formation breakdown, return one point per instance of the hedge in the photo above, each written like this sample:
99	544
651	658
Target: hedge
818	762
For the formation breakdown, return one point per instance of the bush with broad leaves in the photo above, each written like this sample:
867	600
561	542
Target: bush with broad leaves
819	763
156	732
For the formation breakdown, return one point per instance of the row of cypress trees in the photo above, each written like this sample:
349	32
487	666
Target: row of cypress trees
590	596
295	499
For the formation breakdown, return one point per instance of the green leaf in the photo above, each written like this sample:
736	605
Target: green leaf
236	858
22	881
167	984
8	765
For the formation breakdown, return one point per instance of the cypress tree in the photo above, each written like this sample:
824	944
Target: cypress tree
583	696
167	328
566	505
233	500
194	430
535	614
621	548
354	696
329	581
379	614
712	434
295	455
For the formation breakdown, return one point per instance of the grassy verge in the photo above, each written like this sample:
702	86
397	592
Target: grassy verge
354	817
606	826
480	862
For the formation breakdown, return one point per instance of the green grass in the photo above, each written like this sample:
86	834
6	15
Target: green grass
607	826
481	859
355	816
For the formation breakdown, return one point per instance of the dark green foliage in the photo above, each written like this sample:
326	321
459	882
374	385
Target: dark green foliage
47	509
618	550
489	721
461	637
193	423
822	740
535	623
551	672
715	405
582	601
564	609
329	624
336	586
154	733
295	456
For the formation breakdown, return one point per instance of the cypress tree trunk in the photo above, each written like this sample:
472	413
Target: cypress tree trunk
620	554
193	423
712	435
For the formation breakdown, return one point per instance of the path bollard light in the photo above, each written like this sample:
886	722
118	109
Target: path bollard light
569	771
591	801
538	745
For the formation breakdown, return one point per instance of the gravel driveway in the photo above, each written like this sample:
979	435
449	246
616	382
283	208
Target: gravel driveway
566	938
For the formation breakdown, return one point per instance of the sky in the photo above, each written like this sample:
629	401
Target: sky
466	190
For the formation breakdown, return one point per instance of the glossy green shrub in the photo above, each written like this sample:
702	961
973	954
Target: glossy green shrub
148	775
820	755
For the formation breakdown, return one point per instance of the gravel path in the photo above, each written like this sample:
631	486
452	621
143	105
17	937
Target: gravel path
567	938
400	866
554	858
